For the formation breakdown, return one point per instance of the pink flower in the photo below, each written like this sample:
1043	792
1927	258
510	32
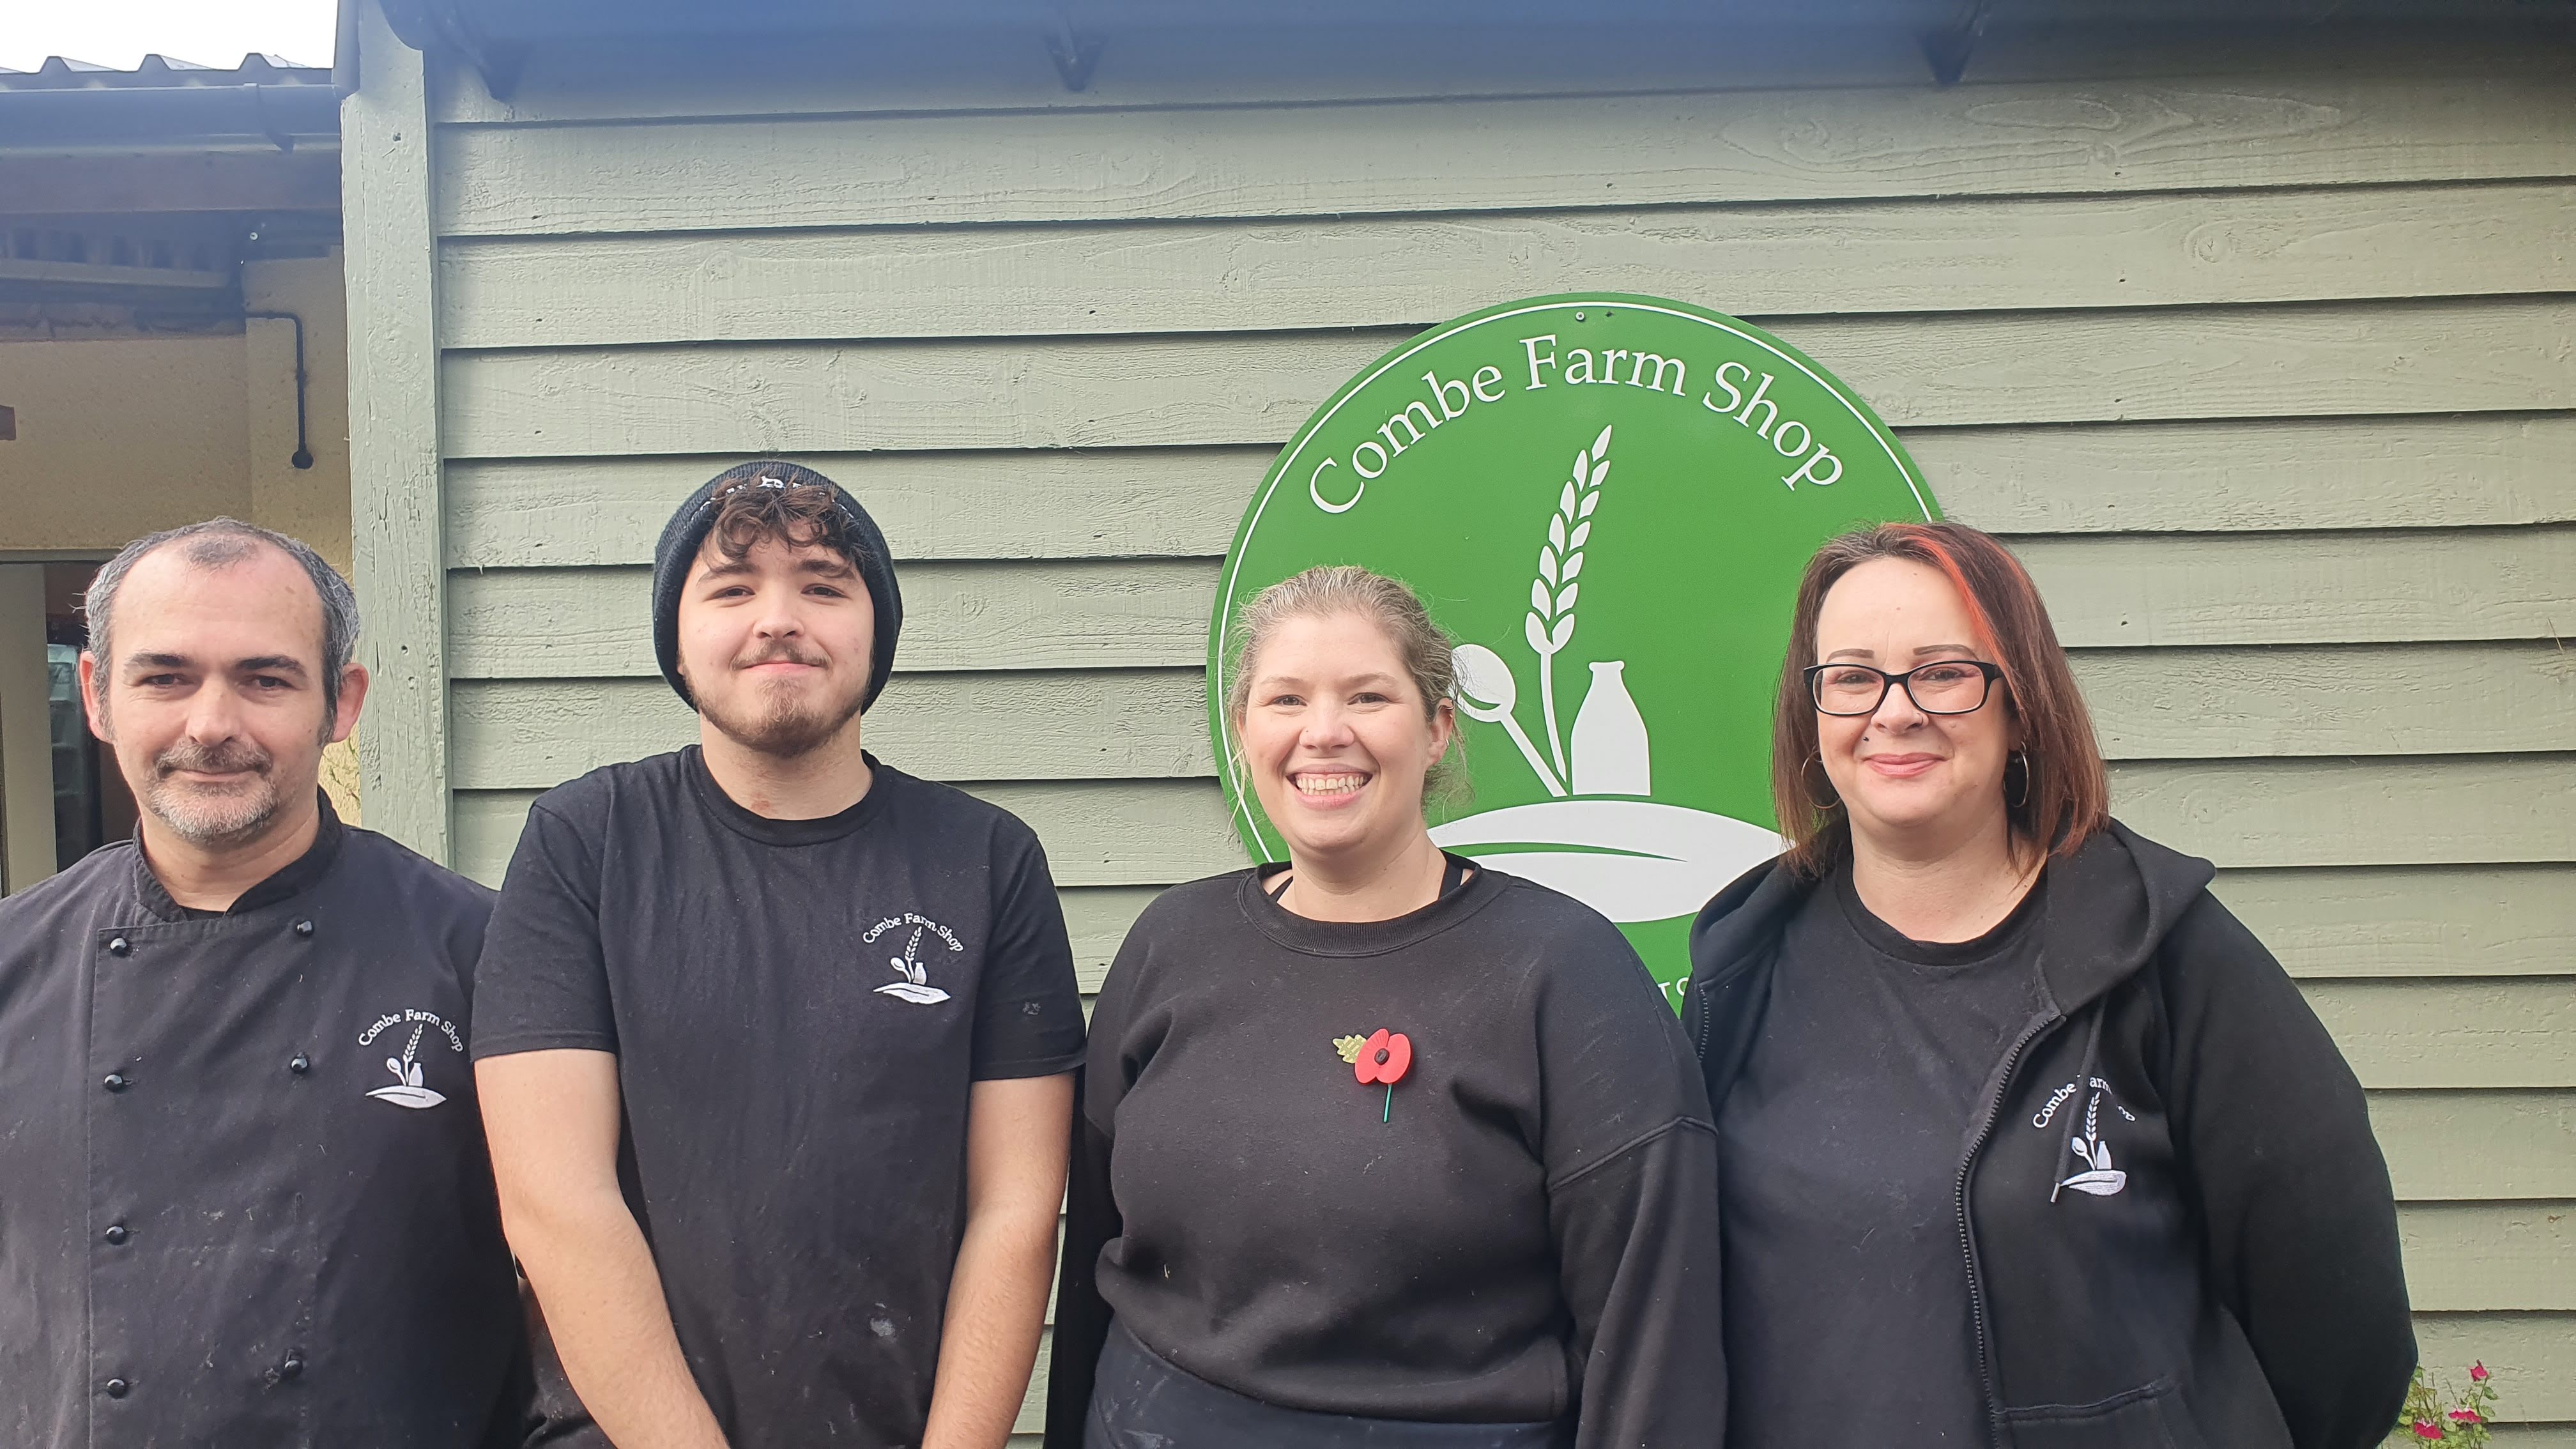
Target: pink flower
2465	1416
2477	1373
2427	1430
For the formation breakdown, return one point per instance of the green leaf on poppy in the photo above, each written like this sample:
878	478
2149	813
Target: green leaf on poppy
1349	1046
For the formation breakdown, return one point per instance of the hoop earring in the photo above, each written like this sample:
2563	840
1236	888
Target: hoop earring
1817	762
2021	758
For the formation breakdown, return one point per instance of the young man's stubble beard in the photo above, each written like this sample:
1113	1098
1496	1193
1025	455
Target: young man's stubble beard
787	725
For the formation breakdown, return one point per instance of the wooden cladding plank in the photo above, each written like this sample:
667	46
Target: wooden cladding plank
488	825
2102	593
1798	145
2514	1032
1097	919
1125	832
597	622
2344	473
2394	472
987	394
2472	1257
2483	920
2394	699
2332	588
2477	355
1053	725
1102	503
2304	361
2440	810
2533	1356
1944	256
1143	724
2452	1146
981	394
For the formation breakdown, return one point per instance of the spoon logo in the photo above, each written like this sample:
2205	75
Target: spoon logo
1621	616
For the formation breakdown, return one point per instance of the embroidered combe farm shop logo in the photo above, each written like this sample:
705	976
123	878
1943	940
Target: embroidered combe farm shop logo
1607	500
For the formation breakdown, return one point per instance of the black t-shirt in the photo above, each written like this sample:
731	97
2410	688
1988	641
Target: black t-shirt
1523	1225
798	1009
1843	1145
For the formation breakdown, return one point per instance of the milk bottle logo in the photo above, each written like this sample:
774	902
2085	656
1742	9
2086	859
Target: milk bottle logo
1607	501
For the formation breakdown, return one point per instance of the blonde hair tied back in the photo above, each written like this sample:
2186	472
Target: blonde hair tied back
1326	590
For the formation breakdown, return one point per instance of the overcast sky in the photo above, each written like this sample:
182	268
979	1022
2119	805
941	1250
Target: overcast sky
121	32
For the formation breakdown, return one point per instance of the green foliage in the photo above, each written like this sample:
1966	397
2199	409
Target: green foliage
2435	1413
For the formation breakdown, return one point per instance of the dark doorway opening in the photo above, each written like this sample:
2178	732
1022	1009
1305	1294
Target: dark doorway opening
92	806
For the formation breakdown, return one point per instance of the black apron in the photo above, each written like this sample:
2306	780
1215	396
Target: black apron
1139	1401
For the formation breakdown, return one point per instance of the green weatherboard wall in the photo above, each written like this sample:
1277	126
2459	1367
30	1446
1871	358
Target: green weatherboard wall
1607	500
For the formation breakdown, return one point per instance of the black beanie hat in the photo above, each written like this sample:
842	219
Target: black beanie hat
686	533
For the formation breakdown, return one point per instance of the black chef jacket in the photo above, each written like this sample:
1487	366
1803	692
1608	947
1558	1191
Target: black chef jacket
244	1199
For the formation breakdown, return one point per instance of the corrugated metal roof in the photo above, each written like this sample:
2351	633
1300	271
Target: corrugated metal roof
165	102
161	72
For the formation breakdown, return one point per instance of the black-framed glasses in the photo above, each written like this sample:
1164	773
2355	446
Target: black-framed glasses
1945	686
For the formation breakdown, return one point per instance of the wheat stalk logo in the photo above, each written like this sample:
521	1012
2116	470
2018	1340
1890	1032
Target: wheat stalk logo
407	1071
1603	837
1549	625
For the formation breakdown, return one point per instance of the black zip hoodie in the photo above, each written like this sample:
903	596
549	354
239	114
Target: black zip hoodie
2222	1270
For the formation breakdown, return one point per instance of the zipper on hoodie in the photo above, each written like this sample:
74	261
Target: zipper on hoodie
1967	1240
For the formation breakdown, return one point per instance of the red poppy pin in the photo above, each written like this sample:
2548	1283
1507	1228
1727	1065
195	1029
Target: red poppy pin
1380	1058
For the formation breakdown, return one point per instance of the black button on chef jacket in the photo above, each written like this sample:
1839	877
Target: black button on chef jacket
244	1197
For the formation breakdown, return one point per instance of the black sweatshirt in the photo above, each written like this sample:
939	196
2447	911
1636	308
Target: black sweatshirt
1523	1227
2178	1227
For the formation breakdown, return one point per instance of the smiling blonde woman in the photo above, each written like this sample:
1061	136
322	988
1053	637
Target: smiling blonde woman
1379	1147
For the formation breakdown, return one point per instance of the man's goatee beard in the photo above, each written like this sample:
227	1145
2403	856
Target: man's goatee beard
216	820
784	733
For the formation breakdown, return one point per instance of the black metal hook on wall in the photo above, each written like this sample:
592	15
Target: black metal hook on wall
303	456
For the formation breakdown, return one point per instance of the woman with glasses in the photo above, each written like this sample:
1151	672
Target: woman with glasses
2025	1140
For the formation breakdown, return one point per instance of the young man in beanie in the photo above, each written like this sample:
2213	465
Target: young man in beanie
774	1039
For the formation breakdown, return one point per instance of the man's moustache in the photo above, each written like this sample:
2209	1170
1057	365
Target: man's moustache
212	762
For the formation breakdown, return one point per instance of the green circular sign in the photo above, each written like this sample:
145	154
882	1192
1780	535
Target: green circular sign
1607	500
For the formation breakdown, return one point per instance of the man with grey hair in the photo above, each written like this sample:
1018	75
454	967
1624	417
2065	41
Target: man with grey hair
244	1196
